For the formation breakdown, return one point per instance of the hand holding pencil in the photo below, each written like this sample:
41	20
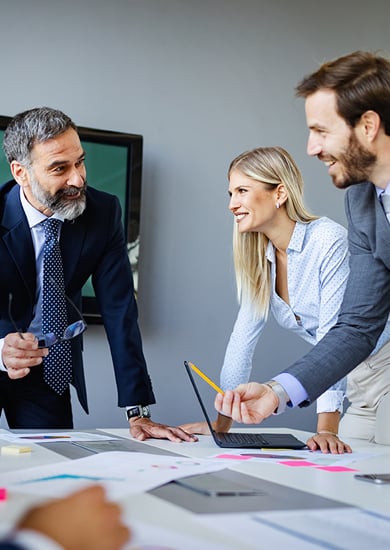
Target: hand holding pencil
205	378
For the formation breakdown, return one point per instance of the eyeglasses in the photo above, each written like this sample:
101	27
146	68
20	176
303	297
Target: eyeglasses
49	339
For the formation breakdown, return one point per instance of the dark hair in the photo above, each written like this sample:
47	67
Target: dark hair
30	127
361	82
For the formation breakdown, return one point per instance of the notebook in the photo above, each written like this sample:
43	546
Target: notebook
245	440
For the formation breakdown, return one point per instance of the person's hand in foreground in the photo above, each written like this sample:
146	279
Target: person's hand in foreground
144	428
222	424
248	403
85	520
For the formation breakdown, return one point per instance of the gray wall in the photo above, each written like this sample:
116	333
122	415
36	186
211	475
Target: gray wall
202	81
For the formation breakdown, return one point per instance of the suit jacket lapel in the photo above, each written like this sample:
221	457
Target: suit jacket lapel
72	240
17	239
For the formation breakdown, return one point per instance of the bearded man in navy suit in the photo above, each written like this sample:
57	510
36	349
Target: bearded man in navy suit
46	159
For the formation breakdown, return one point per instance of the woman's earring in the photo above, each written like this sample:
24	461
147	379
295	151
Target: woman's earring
277	204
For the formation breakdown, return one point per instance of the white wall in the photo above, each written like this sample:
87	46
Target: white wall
201	81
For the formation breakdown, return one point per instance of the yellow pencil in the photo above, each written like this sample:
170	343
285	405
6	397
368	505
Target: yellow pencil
205	378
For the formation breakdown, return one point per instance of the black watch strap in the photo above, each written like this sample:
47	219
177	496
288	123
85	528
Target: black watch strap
142	411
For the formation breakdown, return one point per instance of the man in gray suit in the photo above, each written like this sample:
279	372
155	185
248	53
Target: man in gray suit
347	103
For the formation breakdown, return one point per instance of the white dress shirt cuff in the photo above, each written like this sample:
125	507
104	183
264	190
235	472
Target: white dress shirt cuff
293	387
33	540
2	367
330	401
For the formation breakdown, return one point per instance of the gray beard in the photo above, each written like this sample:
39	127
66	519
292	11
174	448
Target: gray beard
69	210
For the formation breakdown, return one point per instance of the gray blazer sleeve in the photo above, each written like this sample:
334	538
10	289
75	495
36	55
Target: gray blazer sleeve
366	304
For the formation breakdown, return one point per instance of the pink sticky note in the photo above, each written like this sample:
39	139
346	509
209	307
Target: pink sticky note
336	469
297	463
234	457
3	493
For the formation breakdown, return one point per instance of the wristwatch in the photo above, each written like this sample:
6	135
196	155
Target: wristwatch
142	411
283	396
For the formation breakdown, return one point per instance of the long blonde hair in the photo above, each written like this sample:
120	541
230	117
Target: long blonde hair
273	166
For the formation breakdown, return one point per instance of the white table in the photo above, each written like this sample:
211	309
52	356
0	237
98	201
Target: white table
339	486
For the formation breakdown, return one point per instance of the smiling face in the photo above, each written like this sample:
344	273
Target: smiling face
253	203
335	143
55	182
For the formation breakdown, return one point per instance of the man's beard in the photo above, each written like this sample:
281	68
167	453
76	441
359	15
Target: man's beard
356	162
58	203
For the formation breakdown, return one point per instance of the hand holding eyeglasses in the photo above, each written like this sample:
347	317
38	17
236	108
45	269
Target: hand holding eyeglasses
71	331
49	339
22	351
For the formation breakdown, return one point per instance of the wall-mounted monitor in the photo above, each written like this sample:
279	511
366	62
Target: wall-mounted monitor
114	164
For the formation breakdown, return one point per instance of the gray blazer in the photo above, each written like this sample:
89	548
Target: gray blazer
366	302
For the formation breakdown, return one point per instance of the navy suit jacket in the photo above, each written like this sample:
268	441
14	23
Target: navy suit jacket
9	545
92	244
366	303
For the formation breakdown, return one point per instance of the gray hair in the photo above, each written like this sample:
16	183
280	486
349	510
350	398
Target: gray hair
28	128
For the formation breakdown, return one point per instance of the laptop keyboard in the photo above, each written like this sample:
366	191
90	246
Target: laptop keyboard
242	438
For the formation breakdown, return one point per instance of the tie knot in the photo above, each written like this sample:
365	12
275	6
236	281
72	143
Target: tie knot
51	227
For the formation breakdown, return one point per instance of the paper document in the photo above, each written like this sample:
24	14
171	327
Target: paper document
121	473
315	459
331	529
151	537
53	437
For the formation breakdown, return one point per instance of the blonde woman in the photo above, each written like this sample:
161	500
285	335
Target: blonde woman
287	262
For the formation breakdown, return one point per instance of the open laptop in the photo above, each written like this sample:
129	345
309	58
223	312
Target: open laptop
245	440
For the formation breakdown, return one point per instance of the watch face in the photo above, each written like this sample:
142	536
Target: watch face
145	412
140	411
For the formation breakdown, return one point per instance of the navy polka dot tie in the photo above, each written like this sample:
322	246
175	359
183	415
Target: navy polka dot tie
58	364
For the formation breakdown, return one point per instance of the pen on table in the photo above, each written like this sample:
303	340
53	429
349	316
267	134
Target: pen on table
206	378
45	437
274	449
